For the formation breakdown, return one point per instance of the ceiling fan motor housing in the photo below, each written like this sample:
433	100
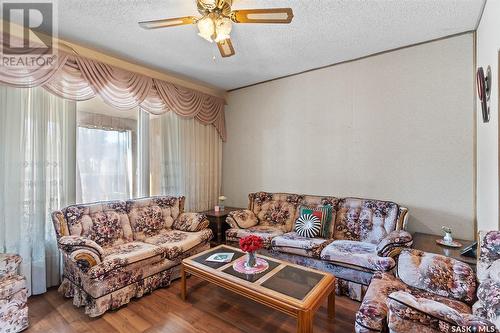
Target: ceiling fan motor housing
206	7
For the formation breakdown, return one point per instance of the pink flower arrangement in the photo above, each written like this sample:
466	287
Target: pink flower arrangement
251	243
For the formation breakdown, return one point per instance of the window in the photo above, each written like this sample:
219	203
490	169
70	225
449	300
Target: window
106	152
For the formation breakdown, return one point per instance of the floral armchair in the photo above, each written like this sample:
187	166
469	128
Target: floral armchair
431	293
363	236
488	274
13	295
116	250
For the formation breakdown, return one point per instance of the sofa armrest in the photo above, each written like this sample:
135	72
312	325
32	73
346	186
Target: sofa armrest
191	222
242	219
433	314
83	251
9	263
391	244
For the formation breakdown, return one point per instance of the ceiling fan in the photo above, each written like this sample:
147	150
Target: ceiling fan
216	21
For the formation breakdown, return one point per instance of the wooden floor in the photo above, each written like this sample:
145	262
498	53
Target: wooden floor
208	309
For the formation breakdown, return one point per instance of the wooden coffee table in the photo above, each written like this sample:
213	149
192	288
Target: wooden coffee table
295	290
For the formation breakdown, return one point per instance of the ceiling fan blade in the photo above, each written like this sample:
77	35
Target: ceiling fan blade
271	15
226	48
165	23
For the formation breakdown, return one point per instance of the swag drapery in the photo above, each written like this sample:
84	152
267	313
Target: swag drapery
78	78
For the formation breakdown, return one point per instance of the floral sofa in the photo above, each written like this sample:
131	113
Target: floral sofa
363	238
116	250
13	295
431	293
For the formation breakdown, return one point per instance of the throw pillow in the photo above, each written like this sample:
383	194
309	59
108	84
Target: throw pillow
324	214
308	225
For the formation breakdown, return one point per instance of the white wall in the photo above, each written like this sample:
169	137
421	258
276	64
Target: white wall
398	126
488	45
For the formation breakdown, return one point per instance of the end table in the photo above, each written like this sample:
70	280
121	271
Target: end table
217	223
427	243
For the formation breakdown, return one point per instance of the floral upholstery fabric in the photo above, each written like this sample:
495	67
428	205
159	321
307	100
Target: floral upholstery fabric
488	272
358	254
281	209
9	263
430	313
120	286
124	248
191	222
443	275
13	295
365	220
373	311
149	215
107	223
293	243
242	219
363	235
173	243
395	239
267	233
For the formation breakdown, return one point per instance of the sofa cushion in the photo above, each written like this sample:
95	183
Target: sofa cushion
365	220
359	254
149	215
132	252
105	223
324	213
267	233
191	222
175	242
293	243
9	285
442	275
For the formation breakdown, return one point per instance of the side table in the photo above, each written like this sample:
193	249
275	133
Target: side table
427	243
217	223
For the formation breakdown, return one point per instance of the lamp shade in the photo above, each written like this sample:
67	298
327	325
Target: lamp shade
223	28
206	27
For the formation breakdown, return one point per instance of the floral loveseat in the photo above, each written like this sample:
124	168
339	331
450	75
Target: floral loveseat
363	238
13	295
117	250
431	293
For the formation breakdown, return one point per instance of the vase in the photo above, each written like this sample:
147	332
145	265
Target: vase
251	260
447	237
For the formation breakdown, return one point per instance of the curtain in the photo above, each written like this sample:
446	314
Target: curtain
186	159
104	164
37	134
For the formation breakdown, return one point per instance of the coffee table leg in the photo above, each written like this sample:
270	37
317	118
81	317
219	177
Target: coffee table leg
331	305
305	322
183	283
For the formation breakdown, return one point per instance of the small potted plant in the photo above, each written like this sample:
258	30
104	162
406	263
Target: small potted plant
250	244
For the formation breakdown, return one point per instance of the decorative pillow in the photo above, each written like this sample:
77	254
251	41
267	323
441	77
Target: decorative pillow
191	222
324	214
308	225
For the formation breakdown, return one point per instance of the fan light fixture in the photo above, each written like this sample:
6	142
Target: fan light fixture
217	18
214	29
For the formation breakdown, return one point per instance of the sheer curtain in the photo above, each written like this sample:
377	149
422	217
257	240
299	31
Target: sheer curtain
37	163
186	158
104	164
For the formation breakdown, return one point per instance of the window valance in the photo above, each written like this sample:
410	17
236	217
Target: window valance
79	78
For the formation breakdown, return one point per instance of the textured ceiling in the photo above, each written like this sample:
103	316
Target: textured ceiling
323	32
